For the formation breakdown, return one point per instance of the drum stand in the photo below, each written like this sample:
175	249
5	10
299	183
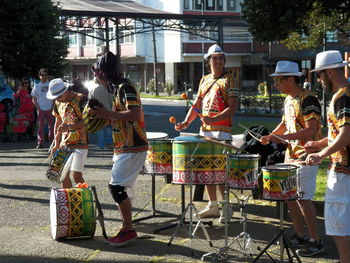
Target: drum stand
284	243
190	207
153	202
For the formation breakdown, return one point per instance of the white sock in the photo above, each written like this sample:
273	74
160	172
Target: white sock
213	203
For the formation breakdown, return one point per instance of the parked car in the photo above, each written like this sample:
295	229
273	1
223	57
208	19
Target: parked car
7	97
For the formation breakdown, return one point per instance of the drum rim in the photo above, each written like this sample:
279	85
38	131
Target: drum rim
257	156
293	167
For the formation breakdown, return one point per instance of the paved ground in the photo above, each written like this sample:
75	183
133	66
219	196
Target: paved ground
25	219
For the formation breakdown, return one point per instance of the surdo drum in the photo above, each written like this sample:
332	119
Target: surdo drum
280	182
244	171
72	213
159	154
208	164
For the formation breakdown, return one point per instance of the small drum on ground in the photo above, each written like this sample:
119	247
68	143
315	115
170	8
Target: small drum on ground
280	182
244	171
72	213
159	154
57	163
208	165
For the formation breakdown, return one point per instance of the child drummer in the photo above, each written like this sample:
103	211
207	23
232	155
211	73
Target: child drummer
69	128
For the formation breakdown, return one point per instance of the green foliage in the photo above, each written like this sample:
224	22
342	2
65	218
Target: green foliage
298	24
168	88
31	38
151	86
263	88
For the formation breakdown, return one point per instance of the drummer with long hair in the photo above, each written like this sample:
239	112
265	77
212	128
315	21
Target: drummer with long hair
217	102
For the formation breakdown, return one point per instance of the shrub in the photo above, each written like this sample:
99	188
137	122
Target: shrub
168	88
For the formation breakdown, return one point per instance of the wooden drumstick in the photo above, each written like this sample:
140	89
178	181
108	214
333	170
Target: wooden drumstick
274	135
184	96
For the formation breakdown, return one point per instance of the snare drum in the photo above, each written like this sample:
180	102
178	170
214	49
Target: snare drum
244	171
57	163
208	164
72	213
159	154
280	182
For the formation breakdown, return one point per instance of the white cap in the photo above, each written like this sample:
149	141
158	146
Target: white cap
287	68
329	59
214	49
56	88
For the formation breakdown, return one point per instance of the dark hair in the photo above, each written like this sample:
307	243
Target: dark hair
29	84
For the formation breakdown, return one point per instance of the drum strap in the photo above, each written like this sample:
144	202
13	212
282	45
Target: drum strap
100	216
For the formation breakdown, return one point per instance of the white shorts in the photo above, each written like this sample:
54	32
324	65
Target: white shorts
126	167
306	182
337	204
78	160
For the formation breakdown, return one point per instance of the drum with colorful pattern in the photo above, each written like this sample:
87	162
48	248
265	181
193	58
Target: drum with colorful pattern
159	156
244	171
72	213
206	160
280	182
57	163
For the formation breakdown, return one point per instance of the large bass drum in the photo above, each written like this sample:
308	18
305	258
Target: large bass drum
72	213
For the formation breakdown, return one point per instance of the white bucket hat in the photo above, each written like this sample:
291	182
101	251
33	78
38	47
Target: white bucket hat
287	68
329	59
214	49
56	88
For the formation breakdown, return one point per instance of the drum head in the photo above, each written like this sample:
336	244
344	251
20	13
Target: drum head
156	135
188	139
279	167
53	213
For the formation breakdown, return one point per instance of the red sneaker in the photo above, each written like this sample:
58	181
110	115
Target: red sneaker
122	238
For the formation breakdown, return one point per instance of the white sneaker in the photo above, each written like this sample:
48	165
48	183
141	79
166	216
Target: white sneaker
210	211
225	212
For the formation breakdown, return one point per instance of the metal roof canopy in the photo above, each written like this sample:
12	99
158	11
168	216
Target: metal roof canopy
87	14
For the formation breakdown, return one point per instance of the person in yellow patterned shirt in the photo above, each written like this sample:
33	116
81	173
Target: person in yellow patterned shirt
217	101
300	124
129	138
69	128
329	69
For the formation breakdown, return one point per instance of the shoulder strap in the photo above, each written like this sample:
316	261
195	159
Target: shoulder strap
212	84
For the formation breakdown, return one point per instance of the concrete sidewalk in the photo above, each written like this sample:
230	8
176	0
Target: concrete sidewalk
25	234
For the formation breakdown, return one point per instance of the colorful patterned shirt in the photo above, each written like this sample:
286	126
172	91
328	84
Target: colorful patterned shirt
128	136
71	112
215	94
297	111
338	116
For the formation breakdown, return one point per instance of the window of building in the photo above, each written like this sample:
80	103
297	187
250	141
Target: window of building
231	5
73	39
186	4
87	39
127	35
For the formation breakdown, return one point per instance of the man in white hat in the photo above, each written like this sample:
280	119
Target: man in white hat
217	101
330	71
69	128
300	124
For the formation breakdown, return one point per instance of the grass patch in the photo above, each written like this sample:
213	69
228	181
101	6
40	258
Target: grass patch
321	180
147	95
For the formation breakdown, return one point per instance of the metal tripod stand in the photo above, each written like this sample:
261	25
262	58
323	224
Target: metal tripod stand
284	243
191	208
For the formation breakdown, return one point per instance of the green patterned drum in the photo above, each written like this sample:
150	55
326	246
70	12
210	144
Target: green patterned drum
244	170
208	164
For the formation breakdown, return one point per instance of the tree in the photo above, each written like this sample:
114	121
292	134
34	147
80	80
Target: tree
298	24
31	38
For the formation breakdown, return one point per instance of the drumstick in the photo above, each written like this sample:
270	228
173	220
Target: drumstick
184	96
278	137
